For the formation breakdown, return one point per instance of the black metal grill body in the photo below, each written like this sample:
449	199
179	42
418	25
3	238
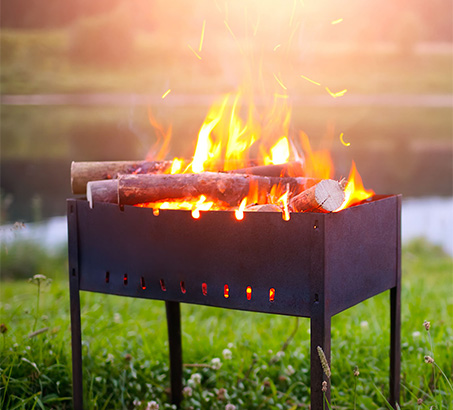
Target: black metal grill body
316	264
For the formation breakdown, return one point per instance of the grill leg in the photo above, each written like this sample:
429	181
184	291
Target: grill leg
395	344
76	340
319	336
174	339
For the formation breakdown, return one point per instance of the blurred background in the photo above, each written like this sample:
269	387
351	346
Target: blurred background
78	79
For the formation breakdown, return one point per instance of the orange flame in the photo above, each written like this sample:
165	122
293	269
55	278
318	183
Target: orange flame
354	191
161	147
224	143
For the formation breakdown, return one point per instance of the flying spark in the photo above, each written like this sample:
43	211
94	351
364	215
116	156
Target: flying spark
338	94
346	144
202	36
280	82
166	93
336	21
193	51
308	79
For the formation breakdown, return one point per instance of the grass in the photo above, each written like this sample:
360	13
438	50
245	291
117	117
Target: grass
125	349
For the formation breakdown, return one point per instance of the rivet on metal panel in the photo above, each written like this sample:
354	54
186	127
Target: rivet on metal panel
107	277
121	207
73	272
162	285
183	286
315	225
226	291
204	288
125	279
271	294
156	212
316	298
142	283
248	292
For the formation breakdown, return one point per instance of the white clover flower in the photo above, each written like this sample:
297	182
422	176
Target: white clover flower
364	324
137	403
196	378
290	370
230	407
280	354
117	318
110	358
416	334
227	355
216	363
187	391
230	345
152	405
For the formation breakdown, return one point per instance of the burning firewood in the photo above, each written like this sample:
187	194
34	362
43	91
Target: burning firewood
326	196
263	208
225	187
83	172
102	191
288	169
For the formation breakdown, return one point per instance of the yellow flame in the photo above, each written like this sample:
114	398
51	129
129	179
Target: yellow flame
338	94
318	164
239	213
176	166
280	152
166	93
193	51
346	144
354	191
308	79
336	21
202	36
283	200
206	149
160	149
201	205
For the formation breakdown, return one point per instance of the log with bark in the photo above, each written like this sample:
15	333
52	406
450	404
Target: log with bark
84	172
288	169
326	196
225	187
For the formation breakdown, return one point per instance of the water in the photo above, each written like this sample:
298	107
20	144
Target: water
430	218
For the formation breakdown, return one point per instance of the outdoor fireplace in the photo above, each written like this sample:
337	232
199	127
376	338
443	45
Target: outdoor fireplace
313	265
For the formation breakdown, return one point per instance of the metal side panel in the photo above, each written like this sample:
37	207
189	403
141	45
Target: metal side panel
362	252
131	252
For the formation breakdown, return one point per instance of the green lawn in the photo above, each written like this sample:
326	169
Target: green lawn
125	348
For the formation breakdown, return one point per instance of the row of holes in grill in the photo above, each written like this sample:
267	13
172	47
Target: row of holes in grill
204	287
